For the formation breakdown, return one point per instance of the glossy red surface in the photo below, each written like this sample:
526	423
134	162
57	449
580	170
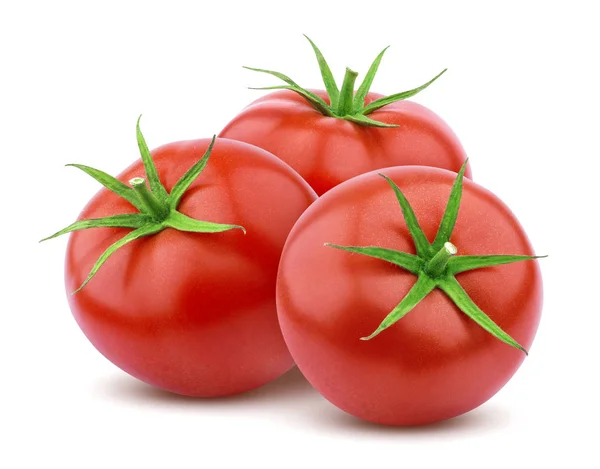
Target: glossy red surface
193	313
435	363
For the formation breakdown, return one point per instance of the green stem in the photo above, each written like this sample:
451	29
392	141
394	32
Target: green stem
150	203
346	98
436	266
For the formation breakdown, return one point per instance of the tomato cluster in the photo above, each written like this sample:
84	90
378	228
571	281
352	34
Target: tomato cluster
336	229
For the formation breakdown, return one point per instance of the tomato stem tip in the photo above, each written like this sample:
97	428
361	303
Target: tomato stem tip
157	210
346	98
437	265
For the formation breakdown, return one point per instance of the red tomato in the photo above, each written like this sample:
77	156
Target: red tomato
193	313
326	151
331	136
434	363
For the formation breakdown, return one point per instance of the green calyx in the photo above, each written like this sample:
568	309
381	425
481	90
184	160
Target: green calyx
436	264
344	102
157	209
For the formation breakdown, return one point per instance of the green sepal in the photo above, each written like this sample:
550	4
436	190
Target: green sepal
379	103
318	103
459	296
128	220
112	184
364	120
451	213
128	238
328	80
407	261
190	176
459	264
423	286
365	86
279	75
155	185
422	245
182	222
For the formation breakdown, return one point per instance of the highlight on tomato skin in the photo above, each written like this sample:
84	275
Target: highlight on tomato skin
408	295
331	135
171	273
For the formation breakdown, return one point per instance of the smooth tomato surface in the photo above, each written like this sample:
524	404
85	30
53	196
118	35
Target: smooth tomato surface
327	151
193	313
434	363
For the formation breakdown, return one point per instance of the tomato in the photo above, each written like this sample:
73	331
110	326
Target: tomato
326	151
435	360
331	136
193	313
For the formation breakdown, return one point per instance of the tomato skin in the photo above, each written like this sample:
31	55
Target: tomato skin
193	313
435	363
327	151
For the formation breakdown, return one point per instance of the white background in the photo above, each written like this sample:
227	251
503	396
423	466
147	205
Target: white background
522	94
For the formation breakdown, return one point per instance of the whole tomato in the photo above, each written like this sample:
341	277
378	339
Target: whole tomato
188	305
333	135
441	333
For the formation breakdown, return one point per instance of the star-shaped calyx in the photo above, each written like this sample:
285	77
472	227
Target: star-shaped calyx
344	102
157	209
436	264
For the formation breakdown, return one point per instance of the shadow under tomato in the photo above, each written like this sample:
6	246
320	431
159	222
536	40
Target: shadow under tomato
486	418
292	386
292	395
